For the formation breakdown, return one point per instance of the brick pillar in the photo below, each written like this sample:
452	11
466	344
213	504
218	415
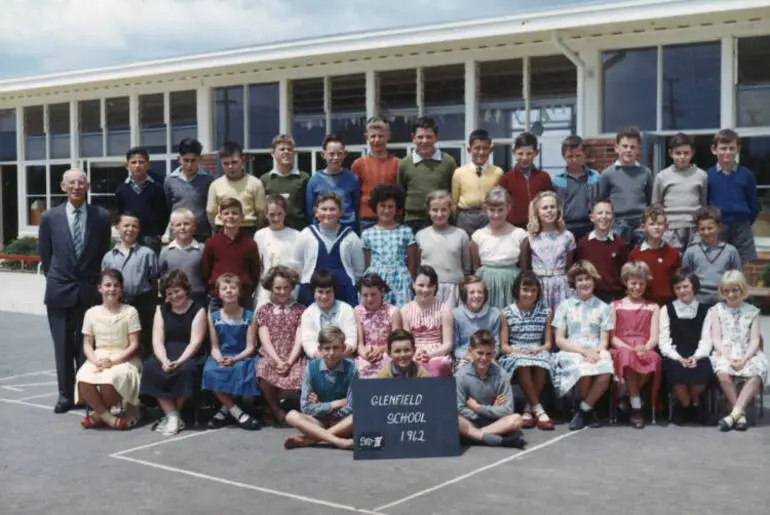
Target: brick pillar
600	153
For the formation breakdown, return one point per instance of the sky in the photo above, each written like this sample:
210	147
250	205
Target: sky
47	36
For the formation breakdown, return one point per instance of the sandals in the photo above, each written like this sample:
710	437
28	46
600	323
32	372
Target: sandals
249	423
726	423
544	423
741	424
527	420
91	421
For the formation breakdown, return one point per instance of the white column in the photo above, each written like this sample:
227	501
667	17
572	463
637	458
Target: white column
591	125
372	94
167	119
525	93
133	118
420	87
74	134
328	103
21	192
204	117
471	99
103	123
246	143
284	109
580	103
659	91
728	116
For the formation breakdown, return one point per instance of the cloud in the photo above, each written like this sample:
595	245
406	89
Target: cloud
43	36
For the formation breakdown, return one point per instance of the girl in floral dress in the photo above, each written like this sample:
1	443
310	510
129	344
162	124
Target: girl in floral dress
376	320
635	338
282	365
549	249
583	324
390	250
526	353
430	321
736	340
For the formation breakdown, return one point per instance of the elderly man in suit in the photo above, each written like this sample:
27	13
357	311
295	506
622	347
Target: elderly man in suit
72	239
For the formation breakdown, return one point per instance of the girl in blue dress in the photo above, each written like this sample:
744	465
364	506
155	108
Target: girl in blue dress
229	371
329	246
390	249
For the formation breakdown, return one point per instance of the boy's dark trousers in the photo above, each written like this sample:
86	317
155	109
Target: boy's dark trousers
145	303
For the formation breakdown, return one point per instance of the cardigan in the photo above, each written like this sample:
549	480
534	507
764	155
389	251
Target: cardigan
663	262
305	255
310	325
466	323
522	190
607	256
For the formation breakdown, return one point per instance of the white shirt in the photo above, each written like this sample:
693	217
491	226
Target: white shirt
310	325
275	248
686	312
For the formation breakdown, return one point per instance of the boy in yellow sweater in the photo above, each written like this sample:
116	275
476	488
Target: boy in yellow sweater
235	183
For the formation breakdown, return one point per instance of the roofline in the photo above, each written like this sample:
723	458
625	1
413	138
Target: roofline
551	20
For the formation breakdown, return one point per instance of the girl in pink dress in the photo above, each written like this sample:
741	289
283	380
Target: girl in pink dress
431	323
282	365
376	320
635	338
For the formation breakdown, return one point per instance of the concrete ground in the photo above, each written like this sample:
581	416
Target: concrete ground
48	464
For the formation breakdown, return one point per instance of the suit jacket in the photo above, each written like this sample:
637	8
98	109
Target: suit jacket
70	279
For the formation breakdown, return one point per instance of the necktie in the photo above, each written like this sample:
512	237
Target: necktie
479	169
77	232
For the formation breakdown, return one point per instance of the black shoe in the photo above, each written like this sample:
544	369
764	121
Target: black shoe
678	415
702	416
63	406
514	441
726	423
593	420
220	420
578	421
637	419
250	423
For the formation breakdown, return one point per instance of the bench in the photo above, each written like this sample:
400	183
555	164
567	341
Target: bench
23	259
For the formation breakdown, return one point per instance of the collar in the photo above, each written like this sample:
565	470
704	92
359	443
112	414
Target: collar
493	370
294	171
727	171
706	246
340	367
417	158
411	371
148	180
593	236
178	173
132	248
282	309
681	306
475	315
646	246
564	173
195	244
238	235
618	163
71	209
590	301
332	310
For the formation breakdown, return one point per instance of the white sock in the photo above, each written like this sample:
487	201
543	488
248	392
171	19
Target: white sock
736	413
636	402
537	409
585	406
236	412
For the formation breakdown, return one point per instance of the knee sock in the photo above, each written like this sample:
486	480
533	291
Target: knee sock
584	406
492	440
636	402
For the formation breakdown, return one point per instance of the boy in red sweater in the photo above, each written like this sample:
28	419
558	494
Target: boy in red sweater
378	167
662	259
231	251
605	250
525	181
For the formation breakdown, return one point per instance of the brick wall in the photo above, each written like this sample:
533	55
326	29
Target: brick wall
209	163
600	153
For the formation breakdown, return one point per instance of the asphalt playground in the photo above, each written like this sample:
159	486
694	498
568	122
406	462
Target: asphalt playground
48	464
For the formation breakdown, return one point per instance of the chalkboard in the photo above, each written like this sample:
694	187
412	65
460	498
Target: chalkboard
405	418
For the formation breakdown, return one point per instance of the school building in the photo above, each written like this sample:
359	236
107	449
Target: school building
588	68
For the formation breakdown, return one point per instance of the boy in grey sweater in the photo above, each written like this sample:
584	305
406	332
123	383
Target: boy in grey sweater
681	189
484	397
628	185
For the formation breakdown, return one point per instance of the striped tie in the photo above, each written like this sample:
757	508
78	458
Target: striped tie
77	232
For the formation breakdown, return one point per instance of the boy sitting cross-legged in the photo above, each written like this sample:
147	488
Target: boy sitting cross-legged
326	400
484	397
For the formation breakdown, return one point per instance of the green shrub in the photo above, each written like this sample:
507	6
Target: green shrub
23	247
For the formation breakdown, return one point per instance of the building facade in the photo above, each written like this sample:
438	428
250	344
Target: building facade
662	65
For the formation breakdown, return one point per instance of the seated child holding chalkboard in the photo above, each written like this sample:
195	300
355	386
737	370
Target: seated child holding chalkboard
326	400
401	349
484	397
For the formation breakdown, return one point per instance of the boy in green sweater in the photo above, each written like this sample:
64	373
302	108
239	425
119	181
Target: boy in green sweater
287	181
427	169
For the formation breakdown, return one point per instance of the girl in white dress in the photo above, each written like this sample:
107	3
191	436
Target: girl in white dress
736	340
275	244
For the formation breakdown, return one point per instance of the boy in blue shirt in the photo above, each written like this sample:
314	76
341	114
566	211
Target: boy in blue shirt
335	178
326	400
733	190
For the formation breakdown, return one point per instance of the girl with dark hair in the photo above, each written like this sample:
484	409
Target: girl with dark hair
376	320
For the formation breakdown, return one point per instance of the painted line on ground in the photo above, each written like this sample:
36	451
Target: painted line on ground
479	470
20	387
77	413
246	486
39	396
28	374
119	454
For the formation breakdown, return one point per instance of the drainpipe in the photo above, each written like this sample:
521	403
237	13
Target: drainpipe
581	77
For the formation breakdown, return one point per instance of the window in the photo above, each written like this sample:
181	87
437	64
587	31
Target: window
500	96
34	132
104	180
59	128
348	106
55	176
755	155
753	90
444	94
264	114
7	134
152	127
398	102
118	126
552	76
691	83
90	126
36	195
309	117
184	116
630	89
228	115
